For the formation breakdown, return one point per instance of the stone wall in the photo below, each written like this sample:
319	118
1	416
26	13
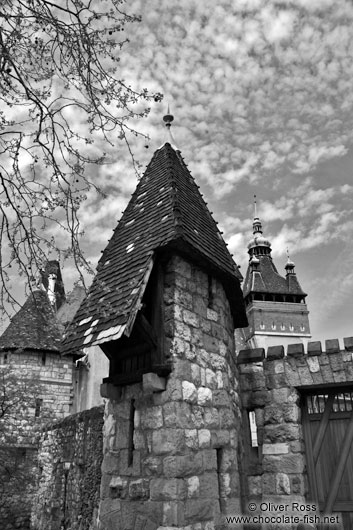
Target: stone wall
271	387
70	458
35	387
183	469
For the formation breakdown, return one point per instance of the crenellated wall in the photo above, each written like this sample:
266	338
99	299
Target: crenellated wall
272	385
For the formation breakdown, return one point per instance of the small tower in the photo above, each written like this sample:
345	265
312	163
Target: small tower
275	306
163	308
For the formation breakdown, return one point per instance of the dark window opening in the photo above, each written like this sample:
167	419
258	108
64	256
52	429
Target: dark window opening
131	447
44	358
219	454
6	358
210	299
38	407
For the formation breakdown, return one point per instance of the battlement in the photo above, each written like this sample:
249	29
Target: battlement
314	348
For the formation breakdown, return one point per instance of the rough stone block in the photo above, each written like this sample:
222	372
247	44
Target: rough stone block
220	438
212	315
167	489
189	392
204	438
153	383
198	510
211	417
139	489
177	414
204	396
193	487
190	318
285	432
314	365
254	355
275	449
173	514
180	466
191	439
166	441
295	349
110	391
275	352
174	390
211	380
152	418
282	484
284	463
314	348
332	346
348	343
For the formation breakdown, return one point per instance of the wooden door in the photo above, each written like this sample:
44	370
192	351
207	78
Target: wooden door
328	433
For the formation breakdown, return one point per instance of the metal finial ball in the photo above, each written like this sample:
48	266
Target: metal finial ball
168	118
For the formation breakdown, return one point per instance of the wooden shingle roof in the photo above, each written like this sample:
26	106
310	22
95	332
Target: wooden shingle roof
267	280
34	327
166	210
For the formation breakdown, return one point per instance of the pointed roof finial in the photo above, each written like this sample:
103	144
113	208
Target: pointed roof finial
290	264
255	208
168	119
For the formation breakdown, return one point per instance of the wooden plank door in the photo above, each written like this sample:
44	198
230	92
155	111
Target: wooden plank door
328	434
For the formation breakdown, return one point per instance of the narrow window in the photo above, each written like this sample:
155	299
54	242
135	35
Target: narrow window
44	358
6	358
38	407
253	428
219	453
210	292
130	457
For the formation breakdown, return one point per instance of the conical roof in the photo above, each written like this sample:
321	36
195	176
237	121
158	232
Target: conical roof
165	212
34	327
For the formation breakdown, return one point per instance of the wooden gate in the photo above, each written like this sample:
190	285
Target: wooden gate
328	434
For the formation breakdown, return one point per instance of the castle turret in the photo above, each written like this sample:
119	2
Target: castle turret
275	305
163	308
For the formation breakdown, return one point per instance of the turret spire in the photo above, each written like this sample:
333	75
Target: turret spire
168	119
289	265
259	245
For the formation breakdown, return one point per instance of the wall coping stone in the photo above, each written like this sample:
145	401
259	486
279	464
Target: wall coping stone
275	352
295	349
254	355
348	343
332	346
314	348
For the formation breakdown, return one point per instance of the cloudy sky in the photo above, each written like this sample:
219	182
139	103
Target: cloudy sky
261	92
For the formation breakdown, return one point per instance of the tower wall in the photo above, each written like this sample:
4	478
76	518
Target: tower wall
182	469
276	323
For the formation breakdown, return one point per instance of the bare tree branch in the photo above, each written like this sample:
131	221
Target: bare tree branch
60	92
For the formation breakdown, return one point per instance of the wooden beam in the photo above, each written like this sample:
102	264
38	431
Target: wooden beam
322	427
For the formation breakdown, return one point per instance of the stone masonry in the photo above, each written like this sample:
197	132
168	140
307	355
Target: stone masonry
181	471
271	387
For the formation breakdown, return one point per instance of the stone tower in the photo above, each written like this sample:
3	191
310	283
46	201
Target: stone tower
275	306
35	387
163	308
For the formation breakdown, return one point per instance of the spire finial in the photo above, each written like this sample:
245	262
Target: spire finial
255	208
290	264
168	118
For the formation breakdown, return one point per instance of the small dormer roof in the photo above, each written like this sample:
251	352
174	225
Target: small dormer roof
166	212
